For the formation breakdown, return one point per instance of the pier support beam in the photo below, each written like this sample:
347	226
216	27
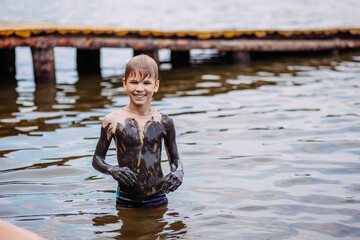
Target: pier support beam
238	57
180	58
44	65
151	53
7	64
88	61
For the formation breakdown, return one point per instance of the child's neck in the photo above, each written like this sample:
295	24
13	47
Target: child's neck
140	110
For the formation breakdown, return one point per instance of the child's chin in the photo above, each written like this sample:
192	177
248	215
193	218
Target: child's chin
139	102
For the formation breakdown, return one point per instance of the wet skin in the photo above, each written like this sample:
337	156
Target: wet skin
138	149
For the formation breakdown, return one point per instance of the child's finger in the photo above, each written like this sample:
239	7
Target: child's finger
166	186
174	186
125	180
175	183
129	174
132	175
171	183
130	178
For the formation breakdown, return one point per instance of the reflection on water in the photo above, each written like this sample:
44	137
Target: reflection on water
88	94
45	97
270	151
141	224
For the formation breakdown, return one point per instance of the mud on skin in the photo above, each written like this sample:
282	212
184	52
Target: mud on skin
139	170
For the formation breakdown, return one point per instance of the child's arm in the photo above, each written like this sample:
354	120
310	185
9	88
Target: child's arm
124	174
174	179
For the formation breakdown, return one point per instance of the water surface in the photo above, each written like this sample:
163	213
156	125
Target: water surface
270	151
188	14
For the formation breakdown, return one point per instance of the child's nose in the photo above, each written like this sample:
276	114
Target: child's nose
140	87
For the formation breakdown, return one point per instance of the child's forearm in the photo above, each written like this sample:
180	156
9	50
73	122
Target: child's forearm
121	174
174	179
100	165
100	152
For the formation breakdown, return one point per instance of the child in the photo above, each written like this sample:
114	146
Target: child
138	130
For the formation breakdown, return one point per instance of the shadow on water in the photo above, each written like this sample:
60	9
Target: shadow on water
142	224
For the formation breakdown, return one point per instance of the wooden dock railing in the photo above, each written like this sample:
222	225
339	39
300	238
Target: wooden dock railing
88	40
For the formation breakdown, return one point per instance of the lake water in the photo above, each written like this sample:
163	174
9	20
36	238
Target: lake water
270	149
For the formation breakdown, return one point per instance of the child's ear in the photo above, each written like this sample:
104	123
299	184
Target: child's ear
124	83
157	84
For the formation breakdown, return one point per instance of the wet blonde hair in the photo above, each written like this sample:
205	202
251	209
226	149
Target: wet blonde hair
143	66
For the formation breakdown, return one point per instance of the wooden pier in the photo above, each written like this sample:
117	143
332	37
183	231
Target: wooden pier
88	40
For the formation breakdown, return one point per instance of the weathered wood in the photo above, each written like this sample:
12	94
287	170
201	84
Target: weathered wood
154	53
238	57
44	65
88	61
148	44
7	64
27	29
180	58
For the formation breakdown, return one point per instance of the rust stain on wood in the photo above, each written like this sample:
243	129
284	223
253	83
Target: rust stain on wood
27	29
181	44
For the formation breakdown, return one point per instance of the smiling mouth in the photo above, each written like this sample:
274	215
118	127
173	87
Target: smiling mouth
139	95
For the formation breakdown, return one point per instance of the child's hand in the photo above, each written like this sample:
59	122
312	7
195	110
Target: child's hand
172	181
124	175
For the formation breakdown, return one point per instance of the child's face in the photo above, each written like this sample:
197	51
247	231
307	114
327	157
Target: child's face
140	90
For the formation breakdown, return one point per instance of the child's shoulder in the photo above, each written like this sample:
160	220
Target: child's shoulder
114	117
166	120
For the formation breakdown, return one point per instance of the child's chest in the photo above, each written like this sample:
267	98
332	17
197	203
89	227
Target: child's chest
133	132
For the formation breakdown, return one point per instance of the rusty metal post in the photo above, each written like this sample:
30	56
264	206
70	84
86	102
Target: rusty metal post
154	53
238	57
88	61
180	58
44	65
7	64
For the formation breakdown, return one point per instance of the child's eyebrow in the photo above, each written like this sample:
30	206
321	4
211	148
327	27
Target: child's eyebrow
134	79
